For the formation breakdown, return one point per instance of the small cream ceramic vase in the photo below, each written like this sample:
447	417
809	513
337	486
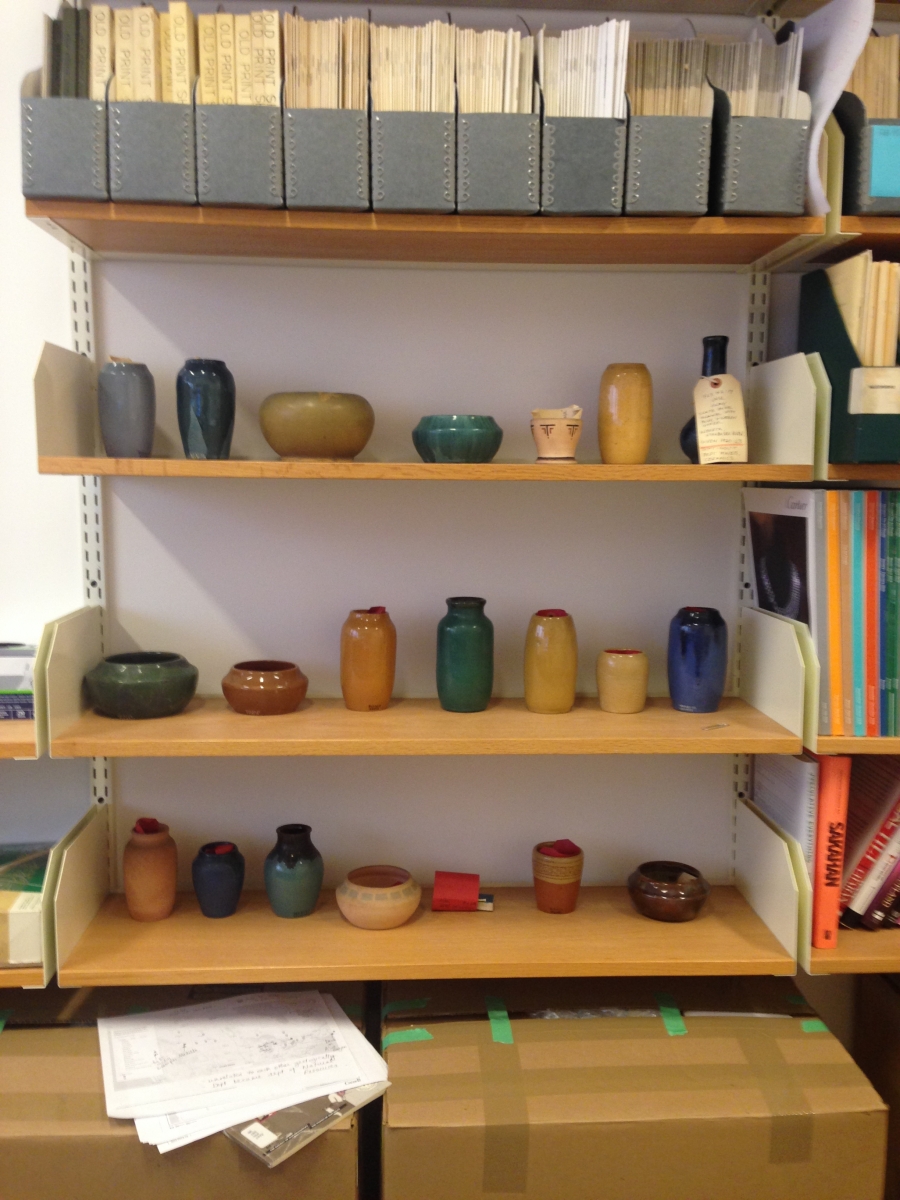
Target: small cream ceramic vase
379	897
622	680
625	414
551	662
556	432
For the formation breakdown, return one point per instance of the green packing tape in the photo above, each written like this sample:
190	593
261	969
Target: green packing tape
5	1014
406	1035
813	1025
501	1029
671	1015
352	1010
402	1005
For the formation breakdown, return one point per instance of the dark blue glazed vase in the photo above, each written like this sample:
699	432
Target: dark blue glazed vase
698	657
205	392
218	876
465	656
293	872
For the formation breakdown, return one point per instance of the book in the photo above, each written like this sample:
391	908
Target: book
68	74
208	88
893	612
883	717
184	51
873	817
873	619
123	26
243	58
165	57
225	77
831	829
835	663
55	71
147	74
887	898
849	284
786	789
101	57
83	54
266	47
845	513
858	609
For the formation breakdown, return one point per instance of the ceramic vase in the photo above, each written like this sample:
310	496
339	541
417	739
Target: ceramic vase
206	405
667	891
126	398
556	432
141	684
316	424
697	659
218	876
150	871
265	687
557	868
625	413
457	438
378	897
368	659
622	680
293	872
465	656
551	662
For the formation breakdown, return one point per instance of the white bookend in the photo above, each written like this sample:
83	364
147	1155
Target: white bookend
83	880
74	646
773	676
781	412
764	876
65	401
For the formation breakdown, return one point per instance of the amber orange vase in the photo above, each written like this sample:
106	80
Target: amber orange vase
368	659
557	868
150	871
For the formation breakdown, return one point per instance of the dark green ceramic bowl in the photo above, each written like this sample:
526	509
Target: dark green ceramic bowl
459	439
142	684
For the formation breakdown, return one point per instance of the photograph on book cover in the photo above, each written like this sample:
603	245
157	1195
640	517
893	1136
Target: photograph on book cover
778	542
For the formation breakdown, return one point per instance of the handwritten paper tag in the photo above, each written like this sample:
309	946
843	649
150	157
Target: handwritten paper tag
721	424
875	390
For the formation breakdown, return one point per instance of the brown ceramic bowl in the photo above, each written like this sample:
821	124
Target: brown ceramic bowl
265	687
667	891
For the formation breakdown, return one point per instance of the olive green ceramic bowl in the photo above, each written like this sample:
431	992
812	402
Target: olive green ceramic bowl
141	684
316	424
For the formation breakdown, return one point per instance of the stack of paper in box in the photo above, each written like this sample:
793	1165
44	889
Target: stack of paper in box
582	71
186	1073
867	294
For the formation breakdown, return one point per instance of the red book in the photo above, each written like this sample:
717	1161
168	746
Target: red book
831	832
873	616
872	818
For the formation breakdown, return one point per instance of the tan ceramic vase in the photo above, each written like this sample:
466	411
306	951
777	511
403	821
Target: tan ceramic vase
368	659
556	880
379	897
622	680
150	872
551	662
556	432
625	415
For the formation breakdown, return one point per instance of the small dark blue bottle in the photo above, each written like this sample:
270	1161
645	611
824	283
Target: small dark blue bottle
698	657
218	875
206	402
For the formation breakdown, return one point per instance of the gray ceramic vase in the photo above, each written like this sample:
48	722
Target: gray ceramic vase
127	401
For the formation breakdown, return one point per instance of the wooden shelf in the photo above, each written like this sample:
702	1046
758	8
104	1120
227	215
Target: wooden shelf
180	468
859	952
866	472
208	727
21	977
140	229
17	740
881	235
859	745
604	936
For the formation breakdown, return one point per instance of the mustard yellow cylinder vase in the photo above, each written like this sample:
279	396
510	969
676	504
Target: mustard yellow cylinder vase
368	659
622	680
551	662
625	415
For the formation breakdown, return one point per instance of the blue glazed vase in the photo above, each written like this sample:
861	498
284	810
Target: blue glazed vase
454	438
465	656
205	393
698	657
293	872
218	876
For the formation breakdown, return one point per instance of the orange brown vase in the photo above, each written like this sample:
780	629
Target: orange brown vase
150	871
557	868
368	659
265	687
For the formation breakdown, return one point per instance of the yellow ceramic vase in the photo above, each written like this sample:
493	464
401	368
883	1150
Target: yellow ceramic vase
551	662
625	416
622	680
368	659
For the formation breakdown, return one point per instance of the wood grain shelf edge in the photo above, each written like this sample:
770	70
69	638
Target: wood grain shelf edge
859	952
21	977
17	740
858	745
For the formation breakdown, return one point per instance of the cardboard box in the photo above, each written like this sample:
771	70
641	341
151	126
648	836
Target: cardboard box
56	1140
876	1048
726	1107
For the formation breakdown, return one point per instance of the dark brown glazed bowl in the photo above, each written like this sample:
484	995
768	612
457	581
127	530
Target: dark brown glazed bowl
667	891
265	687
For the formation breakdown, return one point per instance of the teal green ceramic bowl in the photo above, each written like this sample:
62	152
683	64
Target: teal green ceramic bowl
457	439
141	684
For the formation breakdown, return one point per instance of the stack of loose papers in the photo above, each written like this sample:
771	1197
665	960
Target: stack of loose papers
186	1073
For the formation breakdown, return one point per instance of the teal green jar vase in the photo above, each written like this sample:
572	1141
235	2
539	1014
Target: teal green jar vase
465	656
457	439
293	872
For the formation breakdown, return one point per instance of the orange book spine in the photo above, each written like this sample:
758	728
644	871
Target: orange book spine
831	836
873	622
835	663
